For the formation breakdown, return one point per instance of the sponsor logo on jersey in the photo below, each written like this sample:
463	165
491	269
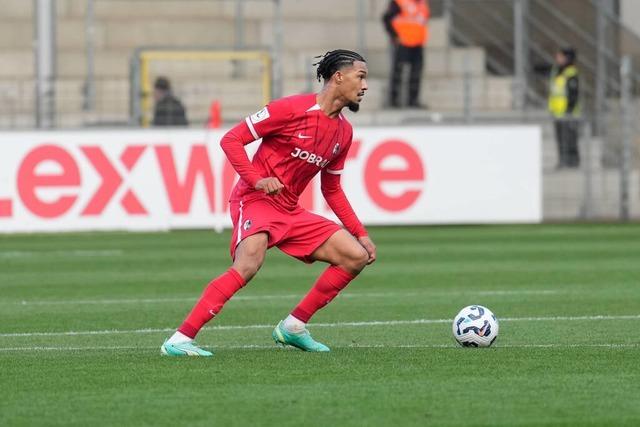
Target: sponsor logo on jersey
260	116
336	149
301	136
246	225
309	157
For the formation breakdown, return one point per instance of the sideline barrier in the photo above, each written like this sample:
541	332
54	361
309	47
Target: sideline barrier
168	179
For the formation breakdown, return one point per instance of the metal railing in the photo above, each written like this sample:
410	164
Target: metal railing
469	27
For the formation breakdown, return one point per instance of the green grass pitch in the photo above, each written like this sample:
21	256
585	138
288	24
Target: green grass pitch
82	317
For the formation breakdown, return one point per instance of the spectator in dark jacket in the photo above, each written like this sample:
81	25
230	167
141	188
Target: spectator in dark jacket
168	110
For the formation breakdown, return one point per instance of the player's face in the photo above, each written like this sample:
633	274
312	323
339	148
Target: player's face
354	84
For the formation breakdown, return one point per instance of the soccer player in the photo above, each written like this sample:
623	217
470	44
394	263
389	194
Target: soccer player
301	136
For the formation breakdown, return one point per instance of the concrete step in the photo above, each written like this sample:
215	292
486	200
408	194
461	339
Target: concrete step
139	9
117	119
291	9
107	64
296	63
16	33
438	61
16	64
17	121
16	97
124	28
322	35
132	33
450	93
296	9
16	9
71	34
19	64
565	194
112	95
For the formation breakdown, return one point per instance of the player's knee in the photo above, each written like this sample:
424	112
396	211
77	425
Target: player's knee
247	268
249	263
250	255
363	258
357	261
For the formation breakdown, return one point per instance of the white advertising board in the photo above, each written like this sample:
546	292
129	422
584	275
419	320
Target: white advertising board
164	179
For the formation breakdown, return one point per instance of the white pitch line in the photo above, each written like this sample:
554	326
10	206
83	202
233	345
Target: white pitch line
318	325
380	346
144	300
75	253
280	296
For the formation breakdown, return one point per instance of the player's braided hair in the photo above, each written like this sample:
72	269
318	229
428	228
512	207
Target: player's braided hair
334	60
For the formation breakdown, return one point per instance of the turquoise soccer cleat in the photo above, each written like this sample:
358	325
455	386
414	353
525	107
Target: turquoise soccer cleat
183	349
303	340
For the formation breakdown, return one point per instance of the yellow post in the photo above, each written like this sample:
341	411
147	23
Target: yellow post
194	55
145	87
266	78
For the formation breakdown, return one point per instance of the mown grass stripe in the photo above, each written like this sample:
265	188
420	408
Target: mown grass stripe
323	325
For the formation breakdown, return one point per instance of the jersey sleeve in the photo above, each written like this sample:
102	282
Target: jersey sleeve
232	144
334	194
339	204
271	119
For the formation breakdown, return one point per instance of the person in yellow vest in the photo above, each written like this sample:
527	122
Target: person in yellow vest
565	107
406	23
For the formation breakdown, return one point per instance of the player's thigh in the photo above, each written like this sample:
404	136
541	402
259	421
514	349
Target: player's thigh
343	250
250	253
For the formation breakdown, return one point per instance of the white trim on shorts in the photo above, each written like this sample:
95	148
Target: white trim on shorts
239	239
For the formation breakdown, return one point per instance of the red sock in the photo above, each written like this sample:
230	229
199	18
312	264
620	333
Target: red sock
329	284
217	292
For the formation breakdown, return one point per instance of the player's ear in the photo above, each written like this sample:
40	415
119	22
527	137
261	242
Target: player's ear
339	76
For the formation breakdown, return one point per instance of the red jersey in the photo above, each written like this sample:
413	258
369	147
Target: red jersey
298	141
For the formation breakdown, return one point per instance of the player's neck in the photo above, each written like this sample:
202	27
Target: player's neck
329	103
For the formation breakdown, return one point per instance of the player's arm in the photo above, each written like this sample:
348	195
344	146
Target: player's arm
267	121
232	144
338	202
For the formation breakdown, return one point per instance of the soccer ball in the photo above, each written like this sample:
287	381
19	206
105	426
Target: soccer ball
475	326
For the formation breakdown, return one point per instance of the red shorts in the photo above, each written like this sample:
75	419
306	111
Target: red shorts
298	233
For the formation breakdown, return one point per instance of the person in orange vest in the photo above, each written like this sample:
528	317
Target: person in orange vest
406	23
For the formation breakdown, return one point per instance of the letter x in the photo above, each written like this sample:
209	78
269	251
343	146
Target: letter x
112	180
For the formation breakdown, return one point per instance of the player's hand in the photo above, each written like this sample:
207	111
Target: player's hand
270	186
368	246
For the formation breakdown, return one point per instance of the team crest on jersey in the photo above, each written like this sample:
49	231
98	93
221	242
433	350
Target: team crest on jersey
260	116
246	225
336	149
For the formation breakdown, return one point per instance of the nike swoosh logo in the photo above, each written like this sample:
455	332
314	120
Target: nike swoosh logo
301	136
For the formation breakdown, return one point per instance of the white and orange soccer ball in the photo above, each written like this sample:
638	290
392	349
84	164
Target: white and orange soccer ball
475	326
